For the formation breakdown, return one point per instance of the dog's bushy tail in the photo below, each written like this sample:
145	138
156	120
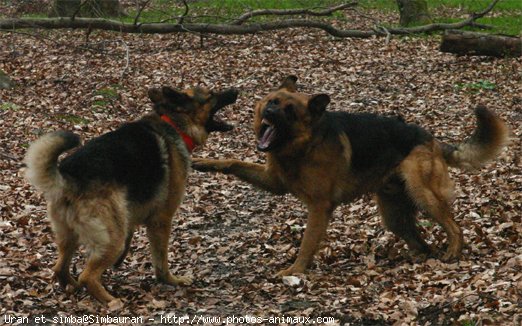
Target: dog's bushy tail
486	142
42	160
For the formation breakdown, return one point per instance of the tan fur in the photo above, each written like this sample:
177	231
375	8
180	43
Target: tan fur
43	153
486	143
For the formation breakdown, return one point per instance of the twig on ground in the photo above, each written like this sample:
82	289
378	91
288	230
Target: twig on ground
9	156
127	60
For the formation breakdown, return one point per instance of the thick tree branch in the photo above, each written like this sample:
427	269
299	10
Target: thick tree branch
229	29
163	28
471	43
286	12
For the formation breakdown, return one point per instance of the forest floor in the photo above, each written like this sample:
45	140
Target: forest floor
232	238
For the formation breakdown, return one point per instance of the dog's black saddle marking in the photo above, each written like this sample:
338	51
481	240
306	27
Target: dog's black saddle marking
129	156
376	141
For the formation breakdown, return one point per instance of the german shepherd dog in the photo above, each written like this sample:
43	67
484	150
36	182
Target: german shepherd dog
134	175
329	158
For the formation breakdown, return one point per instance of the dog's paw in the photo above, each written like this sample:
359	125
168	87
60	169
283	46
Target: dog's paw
420	256
283	272
450	257
115	305
66	281
71	288
292	270
180	280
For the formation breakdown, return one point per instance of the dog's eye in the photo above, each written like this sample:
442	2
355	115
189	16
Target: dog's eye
290	112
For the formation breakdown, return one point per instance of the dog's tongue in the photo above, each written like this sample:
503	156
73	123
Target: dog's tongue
266	138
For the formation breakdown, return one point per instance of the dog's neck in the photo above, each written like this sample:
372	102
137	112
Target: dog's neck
189	142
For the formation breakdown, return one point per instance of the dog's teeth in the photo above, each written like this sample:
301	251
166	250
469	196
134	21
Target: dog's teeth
266	122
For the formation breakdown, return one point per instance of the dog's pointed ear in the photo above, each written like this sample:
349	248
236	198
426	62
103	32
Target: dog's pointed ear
155	95
289	83
175	97
176	101
168	100
317	104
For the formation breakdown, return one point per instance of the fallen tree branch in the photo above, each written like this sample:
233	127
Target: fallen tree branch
287	12
228	29
471	43
482	26
163	28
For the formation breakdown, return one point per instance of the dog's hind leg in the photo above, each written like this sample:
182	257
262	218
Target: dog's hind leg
125	250
440	211
398	214
91	276
67	242
103	255
102	227
158	232
428	183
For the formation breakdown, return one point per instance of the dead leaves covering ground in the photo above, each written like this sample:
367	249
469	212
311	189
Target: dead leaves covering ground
232	238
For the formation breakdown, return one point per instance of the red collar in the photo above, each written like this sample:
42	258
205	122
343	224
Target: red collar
189	142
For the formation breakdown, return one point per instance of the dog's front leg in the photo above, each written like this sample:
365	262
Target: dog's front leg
158	232
318	217
257	175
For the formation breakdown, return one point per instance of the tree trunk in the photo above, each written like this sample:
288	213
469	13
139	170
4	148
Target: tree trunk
472	43
89	8
111	8
413	12
64	8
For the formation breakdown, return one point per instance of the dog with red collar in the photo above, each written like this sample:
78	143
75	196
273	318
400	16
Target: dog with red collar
135	175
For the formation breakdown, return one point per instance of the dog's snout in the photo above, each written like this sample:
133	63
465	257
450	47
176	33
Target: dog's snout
270	111
231	94
225	98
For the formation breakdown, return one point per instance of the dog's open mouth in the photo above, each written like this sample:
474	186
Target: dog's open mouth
267	136
217	124
223	99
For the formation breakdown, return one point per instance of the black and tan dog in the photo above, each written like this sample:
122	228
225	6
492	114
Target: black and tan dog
329	158
131	176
